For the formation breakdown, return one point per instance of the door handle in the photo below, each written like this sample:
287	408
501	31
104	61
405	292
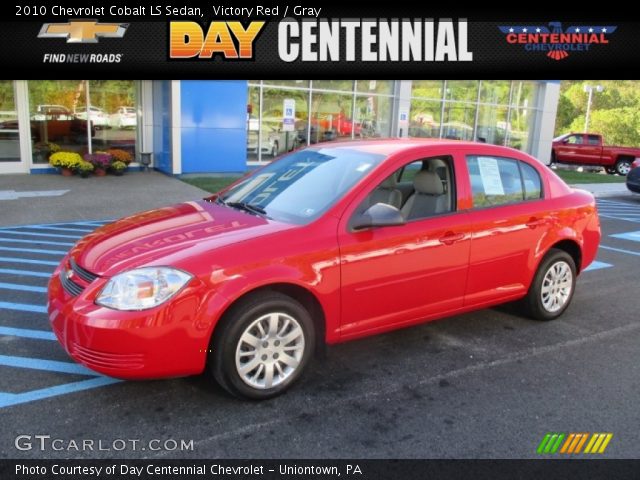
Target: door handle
536	222
450	238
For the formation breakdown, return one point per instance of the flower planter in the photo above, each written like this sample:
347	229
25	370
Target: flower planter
99	172
66	172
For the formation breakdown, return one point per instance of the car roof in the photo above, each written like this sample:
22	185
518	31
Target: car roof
392	146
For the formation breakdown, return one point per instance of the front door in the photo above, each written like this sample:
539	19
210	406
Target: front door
399	275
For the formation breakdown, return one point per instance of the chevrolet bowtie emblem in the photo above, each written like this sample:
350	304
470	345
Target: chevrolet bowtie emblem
83	31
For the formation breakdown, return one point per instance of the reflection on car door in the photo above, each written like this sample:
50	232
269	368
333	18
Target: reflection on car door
504	230
402	274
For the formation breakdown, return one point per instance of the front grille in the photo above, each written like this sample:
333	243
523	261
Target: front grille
69	285
97	358
86	275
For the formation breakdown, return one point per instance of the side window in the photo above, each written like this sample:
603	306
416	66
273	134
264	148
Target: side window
575	140
531	181
494	181
593	140
419	189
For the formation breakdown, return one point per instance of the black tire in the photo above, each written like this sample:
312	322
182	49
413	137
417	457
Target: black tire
533	304
553	158
623	166
610	170
275	149
227	347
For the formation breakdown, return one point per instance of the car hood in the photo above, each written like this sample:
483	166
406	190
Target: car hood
167	236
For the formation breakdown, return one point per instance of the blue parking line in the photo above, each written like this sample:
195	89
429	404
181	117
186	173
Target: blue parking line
8	399
633	236
31	242
33	234
621	250
23	307
84	222
64	229
27	273
22	288
33	250
27	333
28	261
595	265
46	365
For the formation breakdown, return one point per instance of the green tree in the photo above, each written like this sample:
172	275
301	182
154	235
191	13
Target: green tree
613	111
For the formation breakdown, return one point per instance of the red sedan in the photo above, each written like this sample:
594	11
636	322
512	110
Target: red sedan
329	243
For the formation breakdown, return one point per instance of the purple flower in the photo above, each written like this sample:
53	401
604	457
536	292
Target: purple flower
99	160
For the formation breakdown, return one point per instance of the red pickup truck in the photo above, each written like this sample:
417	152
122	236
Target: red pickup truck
588	149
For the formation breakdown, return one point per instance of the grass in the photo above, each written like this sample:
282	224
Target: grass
210	184
573	177
215	184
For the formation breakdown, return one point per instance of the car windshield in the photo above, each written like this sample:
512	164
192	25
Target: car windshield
301	186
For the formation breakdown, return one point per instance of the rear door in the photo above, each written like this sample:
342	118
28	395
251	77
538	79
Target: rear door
508	221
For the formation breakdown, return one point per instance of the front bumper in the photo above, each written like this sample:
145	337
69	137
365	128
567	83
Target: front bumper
166	341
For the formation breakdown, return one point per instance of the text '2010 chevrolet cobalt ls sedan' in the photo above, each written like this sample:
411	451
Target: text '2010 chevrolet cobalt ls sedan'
326	244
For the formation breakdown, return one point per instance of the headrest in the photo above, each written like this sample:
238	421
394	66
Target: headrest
428	183
389	182
435	163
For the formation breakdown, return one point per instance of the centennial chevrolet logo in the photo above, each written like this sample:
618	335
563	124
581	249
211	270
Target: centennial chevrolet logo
556	41
83	31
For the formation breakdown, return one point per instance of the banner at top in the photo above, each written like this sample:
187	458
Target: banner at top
192	41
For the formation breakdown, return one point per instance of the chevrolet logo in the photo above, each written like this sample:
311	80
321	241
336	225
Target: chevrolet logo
83	31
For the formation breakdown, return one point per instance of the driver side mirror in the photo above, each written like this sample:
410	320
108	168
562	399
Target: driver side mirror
378	215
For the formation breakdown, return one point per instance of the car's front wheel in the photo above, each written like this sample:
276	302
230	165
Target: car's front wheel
552	288
262	346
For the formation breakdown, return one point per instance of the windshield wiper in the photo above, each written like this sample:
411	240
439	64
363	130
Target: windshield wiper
247	207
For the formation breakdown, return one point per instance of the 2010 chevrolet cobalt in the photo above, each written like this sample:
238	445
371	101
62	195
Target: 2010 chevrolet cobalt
327	244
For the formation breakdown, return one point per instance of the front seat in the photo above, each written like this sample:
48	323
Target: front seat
387	192
428	197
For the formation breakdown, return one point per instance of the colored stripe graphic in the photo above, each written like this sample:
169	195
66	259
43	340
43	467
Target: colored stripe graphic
550	443
574	443
598	443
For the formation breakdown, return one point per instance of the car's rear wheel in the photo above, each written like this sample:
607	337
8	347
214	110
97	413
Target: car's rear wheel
262	346
610	170
552	288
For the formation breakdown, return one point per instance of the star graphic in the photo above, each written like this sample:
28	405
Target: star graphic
591	30
524	30
604	30
577	30
511	30
538	30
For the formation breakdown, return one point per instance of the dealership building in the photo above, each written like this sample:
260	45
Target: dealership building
228	126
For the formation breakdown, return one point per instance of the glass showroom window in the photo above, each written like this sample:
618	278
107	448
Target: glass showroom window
331	117
426	106
253	123
492	124
276	137
523	113
82	116
9	138
373	108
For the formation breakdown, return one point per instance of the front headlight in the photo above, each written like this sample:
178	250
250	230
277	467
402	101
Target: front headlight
142	288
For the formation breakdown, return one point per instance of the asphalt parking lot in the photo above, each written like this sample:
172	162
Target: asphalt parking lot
489	384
